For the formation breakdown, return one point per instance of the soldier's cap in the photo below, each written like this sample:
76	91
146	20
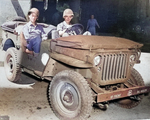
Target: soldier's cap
34	10
68	12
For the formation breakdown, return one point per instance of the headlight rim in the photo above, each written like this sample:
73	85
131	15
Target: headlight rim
99	62
132	59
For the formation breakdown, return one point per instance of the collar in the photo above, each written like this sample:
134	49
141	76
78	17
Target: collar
66	23
30	24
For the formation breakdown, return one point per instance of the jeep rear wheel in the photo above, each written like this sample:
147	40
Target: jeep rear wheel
135	79
11	66
70	96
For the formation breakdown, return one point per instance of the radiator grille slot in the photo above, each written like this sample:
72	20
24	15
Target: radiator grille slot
114	66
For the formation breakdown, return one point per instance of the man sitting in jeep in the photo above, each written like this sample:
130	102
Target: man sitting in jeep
65	28
33	33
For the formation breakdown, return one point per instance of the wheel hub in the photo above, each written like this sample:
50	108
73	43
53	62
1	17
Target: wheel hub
10	64
68	97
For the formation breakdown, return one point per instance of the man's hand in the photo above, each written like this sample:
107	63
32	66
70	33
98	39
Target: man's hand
62	32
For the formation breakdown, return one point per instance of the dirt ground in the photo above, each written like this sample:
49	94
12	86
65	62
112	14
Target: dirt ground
32	104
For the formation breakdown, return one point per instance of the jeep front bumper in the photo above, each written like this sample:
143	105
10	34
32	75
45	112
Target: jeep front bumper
127	92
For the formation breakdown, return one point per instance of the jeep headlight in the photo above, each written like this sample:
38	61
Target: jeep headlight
97	60
132	58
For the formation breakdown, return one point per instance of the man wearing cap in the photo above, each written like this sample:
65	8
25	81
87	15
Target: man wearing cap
62	27
33	33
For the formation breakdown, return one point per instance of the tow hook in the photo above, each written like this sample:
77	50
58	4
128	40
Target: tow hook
102	106
135	98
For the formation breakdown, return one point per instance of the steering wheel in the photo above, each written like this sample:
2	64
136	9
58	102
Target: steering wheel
75	29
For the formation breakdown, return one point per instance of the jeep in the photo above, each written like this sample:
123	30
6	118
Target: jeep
83	70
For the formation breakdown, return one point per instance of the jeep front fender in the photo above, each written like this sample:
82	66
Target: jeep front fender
70	61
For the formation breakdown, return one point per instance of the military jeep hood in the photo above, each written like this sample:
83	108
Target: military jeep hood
96	42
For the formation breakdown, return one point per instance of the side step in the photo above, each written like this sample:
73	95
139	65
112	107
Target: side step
38	73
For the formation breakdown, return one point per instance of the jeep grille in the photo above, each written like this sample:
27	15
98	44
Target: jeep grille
114	66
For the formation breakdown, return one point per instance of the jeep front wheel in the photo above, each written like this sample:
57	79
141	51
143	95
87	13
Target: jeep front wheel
135	79
11	66
70	96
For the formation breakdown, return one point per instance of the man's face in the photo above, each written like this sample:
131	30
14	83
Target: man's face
92	16
68	19
33	17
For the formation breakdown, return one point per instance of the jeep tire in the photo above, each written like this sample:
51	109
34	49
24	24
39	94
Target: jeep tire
70	96
11	65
